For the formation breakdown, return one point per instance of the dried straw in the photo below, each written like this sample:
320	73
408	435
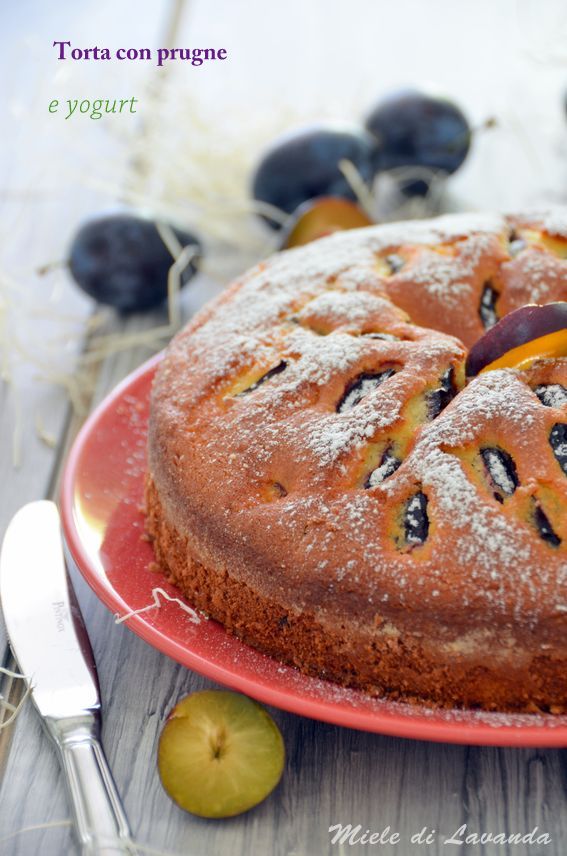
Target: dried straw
158	593
6	705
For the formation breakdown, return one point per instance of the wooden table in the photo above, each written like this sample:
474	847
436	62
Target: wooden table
333	775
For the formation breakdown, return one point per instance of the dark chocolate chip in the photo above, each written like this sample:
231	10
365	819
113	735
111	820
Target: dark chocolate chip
545	528
502	471
389	463
551	394
558	441
487	308
270	374
360	387
438	399
416	521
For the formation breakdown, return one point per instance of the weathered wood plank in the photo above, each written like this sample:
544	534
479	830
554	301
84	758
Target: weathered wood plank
333	775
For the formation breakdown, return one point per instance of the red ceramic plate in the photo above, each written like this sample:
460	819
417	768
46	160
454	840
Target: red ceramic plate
103	525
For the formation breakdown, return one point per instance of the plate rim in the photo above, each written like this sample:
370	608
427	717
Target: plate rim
415	726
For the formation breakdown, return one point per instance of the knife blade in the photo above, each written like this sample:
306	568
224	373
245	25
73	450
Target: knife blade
50	642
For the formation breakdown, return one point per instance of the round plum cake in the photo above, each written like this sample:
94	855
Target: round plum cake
327	482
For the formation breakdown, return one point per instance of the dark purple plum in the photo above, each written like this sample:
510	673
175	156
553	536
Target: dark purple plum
388	465
487	308
558	442
502	470
416	520
413	129
552	394
304	164
437	399
121	261
265	377
544	527
360	387
520	336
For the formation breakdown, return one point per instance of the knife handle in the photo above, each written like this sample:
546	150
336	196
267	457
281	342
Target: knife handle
101	824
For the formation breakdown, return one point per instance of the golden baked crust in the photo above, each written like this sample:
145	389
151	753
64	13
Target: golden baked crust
313	486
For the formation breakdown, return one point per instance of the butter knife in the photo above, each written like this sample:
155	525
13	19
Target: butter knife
50	642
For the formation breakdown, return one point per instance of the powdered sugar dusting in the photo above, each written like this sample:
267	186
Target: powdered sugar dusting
540	277
332	437
485	538
555	222
552	395
350	309
309	309
450	277
497	394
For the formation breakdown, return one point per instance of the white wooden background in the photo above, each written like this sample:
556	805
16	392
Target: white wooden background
307	58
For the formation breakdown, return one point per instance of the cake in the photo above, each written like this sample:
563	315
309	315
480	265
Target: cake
325	482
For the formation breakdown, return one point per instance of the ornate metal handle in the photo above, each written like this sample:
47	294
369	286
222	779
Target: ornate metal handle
101	824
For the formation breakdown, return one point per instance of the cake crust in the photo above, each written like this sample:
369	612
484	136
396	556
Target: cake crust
322	481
